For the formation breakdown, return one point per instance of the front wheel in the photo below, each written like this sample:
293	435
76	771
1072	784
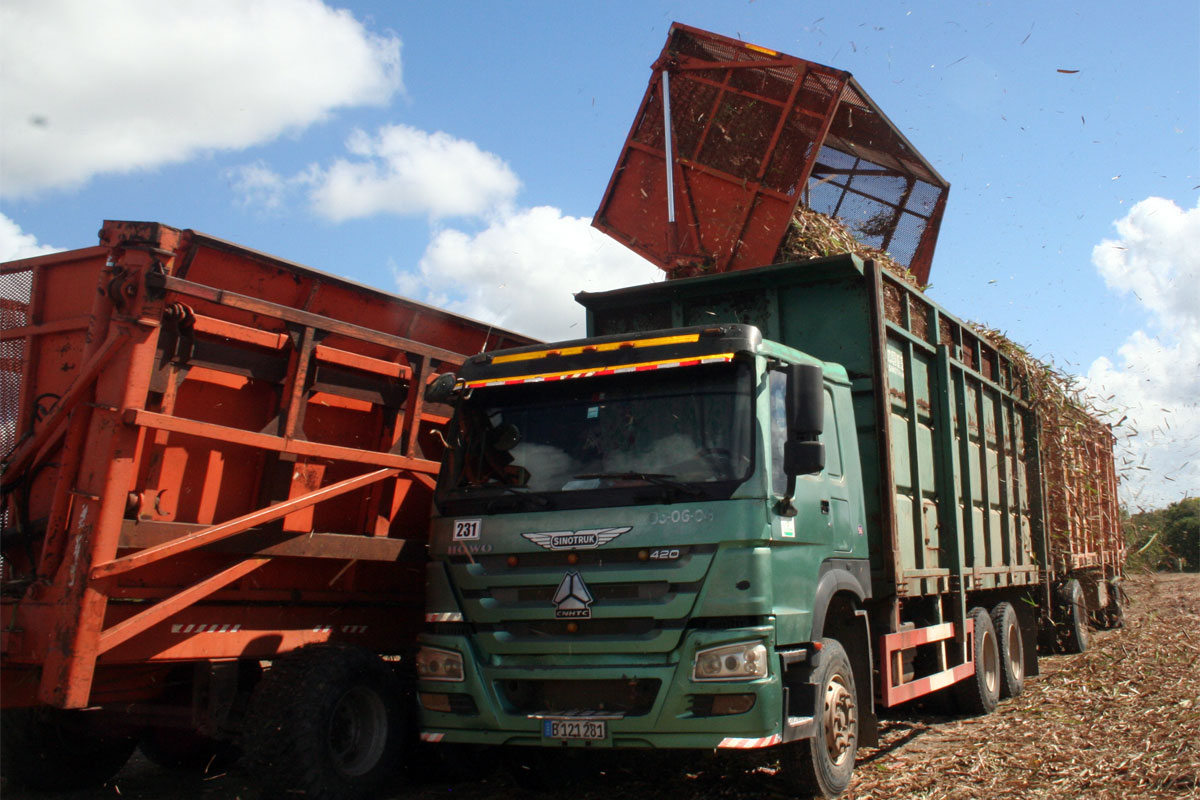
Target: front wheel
824	764
328	722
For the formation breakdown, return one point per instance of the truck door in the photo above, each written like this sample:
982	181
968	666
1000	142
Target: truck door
829	521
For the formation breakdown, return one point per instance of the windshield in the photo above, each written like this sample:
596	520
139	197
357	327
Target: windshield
684	432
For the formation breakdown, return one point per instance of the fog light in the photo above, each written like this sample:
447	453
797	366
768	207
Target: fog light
732	704
433	701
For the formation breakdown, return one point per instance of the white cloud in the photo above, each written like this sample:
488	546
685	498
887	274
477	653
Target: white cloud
403	170
521	272
92	88
1156	383
15	243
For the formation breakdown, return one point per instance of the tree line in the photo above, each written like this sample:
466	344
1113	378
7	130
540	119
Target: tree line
1166	538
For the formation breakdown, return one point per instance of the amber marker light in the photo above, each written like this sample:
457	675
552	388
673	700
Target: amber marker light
512	561
572	558
643	555
572	627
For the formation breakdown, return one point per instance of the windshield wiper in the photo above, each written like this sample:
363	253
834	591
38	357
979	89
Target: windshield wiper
656	478
524	492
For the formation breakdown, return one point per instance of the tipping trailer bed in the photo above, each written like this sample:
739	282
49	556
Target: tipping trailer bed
209	453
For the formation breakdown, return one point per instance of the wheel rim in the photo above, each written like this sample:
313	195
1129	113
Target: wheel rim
840	718
991	663
358	731
1016	651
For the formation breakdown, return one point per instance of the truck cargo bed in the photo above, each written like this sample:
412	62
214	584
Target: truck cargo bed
209	453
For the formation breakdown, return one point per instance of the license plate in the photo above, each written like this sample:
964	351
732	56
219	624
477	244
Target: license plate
574	728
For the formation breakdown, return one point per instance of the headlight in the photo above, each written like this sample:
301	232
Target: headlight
434	664
733	662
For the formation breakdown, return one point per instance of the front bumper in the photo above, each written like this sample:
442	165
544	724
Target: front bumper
676	714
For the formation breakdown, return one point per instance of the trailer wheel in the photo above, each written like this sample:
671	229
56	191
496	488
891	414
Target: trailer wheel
1012	649
979	693
50	749
824	764
1074	631
1114	612
329	722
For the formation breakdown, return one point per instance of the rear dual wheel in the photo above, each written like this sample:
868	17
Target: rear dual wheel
979	693
1011	649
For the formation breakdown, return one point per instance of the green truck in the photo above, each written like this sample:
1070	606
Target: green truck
748	511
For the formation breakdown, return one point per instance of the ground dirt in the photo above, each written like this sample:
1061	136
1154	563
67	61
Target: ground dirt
1119	721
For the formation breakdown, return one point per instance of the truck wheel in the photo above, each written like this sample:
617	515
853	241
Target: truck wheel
979	693
327	721
54	750
1012	649
1074	632
1114	612
824	764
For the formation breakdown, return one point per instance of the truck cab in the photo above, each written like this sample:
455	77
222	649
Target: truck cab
637	540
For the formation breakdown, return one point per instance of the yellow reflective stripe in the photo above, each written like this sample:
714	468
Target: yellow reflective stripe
758	49
645	366
687	338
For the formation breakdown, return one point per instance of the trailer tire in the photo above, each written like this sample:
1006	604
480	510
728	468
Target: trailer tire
979	693
50	749
823	765
1074	631
1010	640
1114	612
329	722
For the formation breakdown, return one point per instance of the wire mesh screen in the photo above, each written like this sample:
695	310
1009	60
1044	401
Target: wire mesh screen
15	292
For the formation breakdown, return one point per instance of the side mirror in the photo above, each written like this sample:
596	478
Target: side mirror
805	402
442	388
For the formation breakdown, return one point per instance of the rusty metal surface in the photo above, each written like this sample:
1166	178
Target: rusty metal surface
263	420
754	133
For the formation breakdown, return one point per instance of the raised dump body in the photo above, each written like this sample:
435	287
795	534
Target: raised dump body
731	139
209	454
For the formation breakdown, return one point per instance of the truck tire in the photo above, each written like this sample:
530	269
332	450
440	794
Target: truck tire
979	693
1012	649
329	722
824	764
49	749
1074	629
1114	612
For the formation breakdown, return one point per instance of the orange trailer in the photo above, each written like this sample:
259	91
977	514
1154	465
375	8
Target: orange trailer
212	458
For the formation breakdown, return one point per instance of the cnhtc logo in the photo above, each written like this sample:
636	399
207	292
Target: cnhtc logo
572	599
576	540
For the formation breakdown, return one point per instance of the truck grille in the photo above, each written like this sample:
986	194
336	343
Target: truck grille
632	697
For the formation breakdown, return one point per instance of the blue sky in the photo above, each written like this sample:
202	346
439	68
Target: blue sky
455	152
